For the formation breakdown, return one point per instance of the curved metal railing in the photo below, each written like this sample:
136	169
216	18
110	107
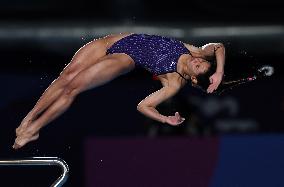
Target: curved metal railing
42	161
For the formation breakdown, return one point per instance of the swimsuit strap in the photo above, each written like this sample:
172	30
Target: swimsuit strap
182	76
179	72
190	52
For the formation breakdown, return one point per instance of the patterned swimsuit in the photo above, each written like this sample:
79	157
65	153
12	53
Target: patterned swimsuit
157	54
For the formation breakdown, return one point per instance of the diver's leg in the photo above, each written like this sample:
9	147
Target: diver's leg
100	73
86	56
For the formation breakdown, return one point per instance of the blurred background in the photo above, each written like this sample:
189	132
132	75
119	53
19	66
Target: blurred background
233	139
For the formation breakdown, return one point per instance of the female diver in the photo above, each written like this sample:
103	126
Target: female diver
173	62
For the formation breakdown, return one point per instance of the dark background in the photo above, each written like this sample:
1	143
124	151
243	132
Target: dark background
38	38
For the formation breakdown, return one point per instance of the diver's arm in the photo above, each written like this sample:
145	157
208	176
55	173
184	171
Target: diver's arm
217	50
148	105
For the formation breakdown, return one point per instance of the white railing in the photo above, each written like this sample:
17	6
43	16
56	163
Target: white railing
43	161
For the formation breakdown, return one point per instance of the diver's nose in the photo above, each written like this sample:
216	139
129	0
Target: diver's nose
196	60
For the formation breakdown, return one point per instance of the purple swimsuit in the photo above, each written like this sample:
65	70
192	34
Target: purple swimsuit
157	54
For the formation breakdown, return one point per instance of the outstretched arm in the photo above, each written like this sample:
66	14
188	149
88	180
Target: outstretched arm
148	106
217	50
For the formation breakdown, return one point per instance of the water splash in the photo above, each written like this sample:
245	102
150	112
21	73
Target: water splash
266	70
263	71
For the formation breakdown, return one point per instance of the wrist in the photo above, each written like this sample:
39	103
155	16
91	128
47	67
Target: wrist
220	72
163	119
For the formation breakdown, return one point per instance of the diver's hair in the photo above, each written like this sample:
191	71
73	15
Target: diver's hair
261	72
203	80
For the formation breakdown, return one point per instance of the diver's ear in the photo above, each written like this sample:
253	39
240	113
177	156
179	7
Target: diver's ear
193	80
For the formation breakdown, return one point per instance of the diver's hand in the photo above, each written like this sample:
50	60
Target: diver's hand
215	81
174	120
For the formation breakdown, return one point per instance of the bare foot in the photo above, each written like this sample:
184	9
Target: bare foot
25	133
24	124
20	141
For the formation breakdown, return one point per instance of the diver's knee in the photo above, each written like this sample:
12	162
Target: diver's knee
71	90
67	76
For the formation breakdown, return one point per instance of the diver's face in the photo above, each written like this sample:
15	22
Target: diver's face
198	66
